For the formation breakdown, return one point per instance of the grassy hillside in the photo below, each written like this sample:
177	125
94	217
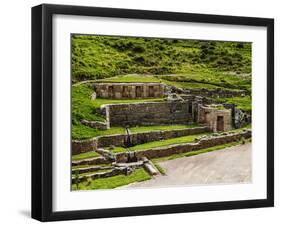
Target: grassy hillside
97	57
187	64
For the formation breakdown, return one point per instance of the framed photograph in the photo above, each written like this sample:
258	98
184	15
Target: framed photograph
145	112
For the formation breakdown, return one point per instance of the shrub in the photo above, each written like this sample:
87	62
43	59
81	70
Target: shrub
139	59
138	49
240	45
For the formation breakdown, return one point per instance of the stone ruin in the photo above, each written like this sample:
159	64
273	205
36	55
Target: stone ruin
216	117
129	90
179	108
122	163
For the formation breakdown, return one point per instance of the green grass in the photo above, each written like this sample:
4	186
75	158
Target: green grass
82	132
178	140
119	150
87	166
249	126
82	105
219	107
97	57
89	173
139	129
154	144
192	153
190	85
113	182
130	78
243	103
99	101
159	168
193	79
80	167
207	78
90	154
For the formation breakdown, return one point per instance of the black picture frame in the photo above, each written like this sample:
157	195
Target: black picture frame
42	107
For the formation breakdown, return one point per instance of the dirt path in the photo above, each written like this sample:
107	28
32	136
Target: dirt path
229	165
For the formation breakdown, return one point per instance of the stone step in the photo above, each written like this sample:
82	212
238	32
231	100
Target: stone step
130	164
149	167
106	154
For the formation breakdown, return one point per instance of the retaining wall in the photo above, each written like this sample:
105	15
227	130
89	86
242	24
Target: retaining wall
95	124
149	113
92	161
182	148
218	92
120	140
81	146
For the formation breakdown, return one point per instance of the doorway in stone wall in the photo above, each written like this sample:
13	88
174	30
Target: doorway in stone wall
151	91
220	123
206	117
125	92
110	91
138	91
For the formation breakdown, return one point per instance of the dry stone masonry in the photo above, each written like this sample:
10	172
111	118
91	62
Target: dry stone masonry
217	119
149	113
186	147
178	106
123	161
119	140
129	90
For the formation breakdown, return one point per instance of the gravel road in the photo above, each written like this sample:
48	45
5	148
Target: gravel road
226	166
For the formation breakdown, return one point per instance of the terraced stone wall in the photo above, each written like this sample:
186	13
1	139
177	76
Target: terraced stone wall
145	137
149	113
182	148
81	146
119	140
217	92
